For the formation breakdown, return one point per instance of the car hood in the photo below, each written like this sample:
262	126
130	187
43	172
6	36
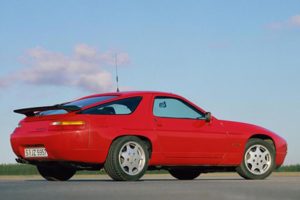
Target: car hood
233	126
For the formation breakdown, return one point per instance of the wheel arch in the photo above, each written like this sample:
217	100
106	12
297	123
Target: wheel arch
264	137
144	138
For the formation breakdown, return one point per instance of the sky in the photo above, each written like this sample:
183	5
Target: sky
238	59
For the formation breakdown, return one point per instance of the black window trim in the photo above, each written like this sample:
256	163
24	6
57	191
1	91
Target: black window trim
111	102
184	102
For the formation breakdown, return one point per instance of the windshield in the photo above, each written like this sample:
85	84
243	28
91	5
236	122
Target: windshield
80	103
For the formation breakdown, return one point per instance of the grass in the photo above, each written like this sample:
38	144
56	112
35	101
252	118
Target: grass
289	168
17	169
24	169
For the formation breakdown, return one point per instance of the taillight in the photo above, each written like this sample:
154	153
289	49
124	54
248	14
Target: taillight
67	125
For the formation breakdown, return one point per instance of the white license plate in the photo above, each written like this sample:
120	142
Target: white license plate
35	152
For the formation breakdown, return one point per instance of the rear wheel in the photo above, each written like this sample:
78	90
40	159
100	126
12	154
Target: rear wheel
56	172
184	173
258	161
127	159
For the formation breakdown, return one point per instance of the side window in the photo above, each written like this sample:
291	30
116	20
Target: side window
119	107
174	108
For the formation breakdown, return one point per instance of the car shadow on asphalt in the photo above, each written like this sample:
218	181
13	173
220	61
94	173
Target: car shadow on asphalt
142	180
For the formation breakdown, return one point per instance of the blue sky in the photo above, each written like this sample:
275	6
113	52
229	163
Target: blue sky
238	59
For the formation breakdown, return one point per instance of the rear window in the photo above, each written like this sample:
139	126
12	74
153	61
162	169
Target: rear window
119	107
80	103
89	101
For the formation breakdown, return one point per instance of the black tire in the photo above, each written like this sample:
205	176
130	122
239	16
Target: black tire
113	161
56	172
184	173
244	168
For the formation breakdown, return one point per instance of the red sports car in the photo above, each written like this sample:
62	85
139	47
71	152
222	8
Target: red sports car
130	132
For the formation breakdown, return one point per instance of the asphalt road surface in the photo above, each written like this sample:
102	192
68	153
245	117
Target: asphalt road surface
154	187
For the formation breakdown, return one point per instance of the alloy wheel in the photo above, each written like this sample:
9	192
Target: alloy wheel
132	158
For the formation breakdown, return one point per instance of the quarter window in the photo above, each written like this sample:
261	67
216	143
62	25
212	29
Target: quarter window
175	108
118	107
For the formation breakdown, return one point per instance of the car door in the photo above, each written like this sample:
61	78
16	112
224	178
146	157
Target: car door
184	134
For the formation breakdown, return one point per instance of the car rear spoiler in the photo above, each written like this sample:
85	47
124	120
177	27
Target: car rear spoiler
33	111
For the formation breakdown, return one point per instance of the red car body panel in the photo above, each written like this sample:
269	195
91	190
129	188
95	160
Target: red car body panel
173	141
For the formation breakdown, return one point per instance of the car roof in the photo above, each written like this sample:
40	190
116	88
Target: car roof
141	93
130	93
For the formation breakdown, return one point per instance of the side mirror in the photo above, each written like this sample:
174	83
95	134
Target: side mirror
207	116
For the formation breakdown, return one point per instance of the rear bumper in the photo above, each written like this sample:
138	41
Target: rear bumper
60	145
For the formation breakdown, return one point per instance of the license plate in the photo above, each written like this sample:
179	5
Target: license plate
35	152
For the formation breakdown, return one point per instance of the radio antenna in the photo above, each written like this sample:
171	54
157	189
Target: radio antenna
117	76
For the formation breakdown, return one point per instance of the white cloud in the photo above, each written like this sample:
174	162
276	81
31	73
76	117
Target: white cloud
219	45
2	83
292	22
274	25
295	21
85	68
95	80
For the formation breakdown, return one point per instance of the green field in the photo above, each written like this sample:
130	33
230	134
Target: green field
289	168
24	169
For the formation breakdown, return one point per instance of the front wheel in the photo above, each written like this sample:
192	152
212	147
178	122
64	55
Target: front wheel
56	172
127	159
258	161
184	173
